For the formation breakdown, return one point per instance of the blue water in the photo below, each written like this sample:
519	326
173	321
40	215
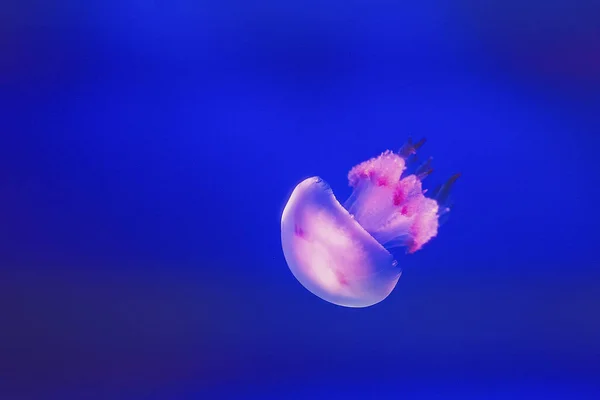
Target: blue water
147	150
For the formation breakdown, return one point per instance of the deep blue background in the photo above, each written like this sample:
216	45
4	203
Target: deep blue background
147	149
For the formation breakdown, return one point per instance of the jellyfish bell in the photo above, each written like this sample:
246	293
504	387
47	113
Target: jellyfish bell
330	253
341	253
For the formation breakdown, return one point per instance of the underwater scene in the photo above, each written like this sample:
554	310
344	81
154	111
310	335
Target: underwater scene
299	200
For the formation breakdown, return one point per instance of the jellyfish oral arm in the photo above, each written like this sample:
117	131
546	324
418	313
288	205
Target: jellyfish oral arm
392	209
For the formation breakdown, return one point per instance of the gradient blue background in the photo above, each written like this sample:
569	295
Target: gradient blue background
147	149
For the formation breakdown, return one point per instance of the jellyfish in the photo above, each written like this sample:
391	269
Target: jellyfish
344	253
